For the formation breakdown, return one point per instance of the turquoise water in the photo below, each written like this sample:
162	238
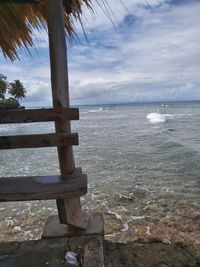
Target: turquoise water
133	161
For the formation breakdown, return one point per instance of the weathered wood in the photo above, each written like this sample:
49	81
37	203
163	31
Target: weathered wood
38	140
42	187
75	214
38	115
59	76
60	93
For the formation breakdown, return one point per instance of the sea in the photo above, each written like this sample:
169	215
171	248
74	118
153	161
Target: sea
142	163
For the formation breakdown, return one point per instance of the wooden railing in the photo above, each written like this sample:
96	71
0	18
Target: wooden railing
69	209
41	187
38	115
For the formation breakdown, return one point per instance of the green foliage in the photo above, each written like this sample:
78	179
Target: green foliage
17	90
9	103
3	86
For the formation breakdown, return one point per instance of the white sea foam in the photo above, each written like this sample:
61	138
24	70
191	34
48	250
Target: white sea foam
164	105
119	217
126	227
156	117
17	228
123	208
138	217
148	230
95	110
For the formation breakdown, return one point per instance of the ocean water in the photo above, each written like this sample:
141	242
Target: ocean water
142	161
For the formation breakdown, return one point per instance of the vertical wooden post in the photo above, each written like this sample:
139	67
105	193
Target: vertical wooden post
69	209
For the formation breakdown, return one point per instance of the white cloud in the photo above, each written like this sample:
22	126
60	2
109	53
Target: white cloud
152	55
41	71
35	79
161	51
105	12
11	68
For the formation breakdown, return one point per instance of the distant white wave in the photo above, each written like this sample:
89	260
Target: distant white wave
156	117
164	106
95	110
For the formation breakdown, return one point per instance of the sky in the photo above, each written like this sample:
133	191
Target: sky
145	52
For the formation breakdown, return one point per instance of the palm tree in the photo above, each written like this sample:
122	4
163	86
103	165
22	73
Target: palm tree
3	86
17	90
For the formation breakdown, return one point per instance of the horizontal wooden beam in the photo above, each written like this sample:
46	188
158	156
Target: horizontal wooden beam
38	115
38	140
42	187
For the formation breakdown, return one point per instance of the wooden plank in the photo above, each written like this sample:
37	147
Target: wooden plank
60	93
42	187
38	115
38	140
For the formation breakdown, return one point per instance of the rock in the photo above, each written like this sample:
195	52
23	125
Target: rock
123	259
112	224
161	265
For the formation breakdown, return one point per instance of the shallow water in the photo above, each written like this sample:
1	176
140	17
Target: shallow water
138	168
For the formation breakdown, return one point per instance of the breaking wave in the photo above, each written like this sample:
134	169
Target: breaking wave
95	110
156	117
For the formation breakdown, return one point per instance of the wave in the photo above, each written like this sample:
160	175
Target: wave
164	106
95	110
156	117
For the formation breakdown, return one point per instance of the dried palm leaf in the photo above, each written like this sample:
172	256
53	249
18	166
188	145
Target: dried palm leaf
18	20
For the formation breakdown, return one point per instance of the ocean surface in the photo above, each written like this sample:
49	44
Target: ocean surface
142	162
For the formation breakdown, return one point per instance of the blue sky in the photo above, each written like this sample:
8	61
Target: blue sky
152	54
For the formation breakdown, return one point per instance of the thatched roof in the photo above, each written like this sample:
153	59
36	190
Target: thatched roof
17	21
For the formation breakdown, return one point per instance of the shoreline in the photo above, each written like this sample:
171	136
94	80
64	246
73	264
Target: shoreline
183	228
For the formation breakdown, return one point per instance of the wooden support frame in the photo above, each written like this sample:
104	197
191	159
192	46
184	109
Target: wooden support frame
38	115
38	140
42	187
70	211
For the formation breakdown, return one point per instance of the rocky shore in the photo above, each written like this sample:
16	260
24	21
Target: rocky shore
51	252
134	225
134	254
182	228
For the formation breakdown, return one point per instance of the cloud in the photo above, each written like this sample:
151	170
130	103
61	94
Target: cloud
11	68
151	54
36	79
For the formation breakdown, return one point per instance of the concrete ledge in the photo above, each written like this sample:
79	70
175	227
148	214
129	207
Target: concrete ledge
57	240
53	228
93	253
50	252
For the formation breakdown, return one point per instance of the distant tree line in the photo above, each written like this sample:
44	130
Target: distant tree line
15	89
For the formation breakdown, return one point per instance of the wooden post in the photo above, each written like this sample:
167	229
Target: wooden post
69	209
